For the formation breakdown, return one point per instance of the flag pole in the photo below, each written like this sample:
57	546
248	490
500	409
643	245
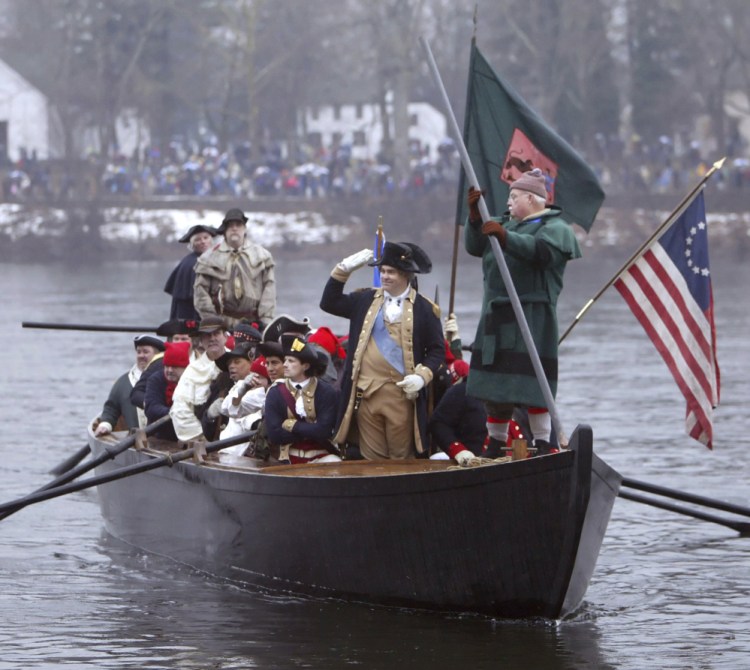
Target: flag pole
454	265
676	213
496	250
377	251
379	238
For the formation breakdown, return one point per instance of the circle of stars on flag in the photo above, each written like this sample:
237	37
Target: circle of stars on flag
694	267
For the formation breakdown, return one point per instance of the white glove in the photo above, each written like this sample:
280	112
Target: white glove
214	409
464	457
451	328
356	261
411	385
104	428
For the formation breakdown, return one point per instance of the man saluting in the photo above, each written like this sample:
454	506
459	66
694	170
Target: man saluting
395	348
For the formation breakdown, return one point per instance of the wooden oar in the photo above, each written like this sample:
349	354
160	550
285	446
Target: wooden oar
109	453
742	527
684	496
71	461
88	326
8	508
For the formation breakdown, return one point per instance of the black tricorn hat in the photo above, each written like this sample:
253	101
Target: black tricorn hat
285	324
233	214
200	228
404	256
177	327
293	344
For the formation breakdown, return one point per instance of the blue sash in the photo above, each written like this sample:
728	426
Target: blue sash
386	344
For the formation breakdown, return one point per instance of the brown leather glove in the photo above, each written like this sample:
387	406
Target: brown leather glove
496	229
472	199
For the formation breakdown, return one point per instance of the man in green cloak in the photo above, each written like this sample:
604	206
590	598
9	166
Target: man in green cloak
537	244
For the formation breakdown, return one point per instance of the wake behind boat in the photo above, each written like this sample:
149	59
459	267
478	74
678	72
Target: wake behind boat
514	540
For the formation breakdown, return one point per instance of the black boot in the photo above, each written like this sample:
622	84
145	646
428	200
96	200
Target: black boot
494	449
543	448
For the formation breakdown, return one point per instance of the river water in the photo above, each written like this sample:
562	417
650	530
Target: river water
668	591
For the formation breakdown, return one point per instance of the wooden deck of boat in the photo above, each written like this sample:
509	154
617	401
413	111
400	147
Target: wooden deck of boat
336	469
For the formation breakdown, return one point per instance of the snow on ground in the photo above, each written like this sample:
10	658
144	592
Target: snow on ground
273	230
265	228
269	229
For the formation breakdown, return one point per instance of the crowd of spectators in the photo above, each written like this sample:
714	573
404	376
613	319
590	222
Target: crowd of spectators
192	171
206	171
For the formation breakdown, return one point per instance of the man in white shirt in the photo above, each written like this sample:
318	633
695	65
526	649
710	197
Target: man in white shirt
193	389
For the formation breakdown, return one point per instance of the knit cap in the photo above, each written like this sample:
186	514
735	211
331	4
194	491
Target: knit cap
532	181
177	354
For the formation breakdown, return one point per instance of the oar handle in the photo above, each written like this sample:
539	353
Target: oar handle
110	451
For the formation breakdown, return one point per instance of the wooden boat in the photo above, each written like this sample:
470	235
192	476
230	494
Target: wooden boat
513	540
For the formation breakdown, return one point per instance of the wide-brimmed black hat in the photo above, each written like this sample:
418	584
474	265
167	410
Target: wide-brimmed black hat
233	214
148	341
241	350
404	256
200	228
293	344
285	324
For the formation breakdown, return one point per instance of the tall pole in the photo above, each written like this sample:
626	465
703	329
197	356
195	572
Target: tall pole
454	264
676	213
496	250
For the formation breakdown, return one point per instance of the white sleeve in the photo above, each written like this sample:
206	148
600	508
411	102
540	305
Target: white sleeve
228	408
186	424
253	401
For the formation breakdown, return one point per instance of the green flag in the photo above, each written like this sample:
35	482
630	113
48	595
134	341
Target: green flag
505	137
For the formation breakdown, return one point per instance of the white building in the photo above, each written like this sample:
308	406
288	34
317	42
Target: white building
361	127
27	121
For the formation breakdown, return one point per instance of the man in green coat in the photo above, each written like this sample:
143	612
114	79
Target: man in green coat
537	244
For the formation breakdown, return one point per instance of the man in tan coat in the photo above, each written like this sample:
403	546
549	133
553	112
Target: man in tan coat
235	279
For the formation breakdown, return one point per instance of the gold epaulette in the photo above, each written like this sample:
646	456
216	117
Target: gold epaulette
434	305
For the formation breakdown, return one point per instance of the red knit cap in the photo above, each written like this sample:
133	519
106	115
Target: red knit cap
532	181
177	354
259	367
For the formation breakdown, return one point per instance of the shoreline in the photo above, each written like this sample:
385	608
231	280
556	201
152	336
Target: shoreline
328	229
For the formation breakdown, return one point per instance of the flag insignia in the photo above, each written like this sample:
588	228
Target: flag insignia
523	156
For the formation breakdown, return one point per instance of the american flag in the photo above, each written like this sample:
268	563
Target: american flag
669	290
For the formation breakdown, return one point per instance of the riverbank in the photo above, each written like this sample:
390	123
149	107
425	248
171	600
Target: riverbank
327	229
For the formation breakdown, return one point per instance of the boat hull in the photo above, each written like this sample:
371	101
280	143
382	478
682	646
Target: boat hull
510	540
